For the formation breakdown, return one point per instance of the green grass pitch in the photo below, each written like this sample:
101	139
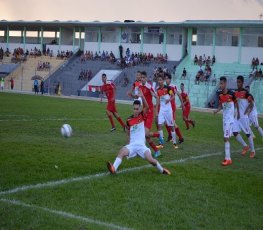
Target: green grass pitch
200	193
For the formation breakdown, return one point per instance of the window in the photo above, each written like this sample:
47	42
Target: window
131	35
227	36
109	35
92	34
174	36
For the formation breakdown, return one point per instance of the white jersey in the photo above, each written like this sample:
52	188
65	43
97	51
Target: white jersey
243	97
227	101
136	129
164	95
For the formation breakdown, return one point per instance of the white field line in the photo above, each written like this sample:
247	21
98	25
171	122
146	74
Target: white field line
89	177
66	215
99	175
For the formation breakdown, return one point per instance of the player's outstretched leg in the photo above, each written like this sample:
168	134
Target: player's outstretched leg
157	152
155	163
242	142
227	160
114	167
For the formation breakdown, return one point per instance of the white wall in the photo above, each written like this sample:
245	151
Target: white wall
91	46
226	54
174	52
114	47
248	53
32	46
3	45
13	46
153	48
201	50
134	48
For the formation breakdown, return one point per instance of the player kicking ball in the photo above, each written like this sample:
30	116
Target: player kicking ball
136	146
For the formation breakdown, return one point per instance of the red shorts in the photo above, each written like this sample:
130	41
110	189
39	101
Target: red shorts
186	111
111	107
149	117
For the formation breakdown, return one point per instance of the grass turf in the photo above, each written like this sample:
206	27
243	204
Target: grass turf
198	194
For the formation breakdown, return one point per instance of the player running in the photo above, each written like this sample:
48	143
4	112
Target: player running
245	104
148	93
227	101
187	108
136	146
110	91
165	114
168	79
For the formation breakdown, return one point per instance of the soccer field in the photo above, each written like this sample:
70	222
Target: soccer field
50	182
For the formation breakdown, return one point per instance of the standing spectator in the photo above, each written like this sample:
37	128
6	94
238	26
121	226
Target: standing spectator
36	86
12	83
42	87
2	83
184	74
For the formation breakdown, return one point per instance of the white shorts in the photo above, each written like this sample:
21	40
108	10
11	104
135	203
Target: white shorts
241	125
228	130
166	117
137	150
253	119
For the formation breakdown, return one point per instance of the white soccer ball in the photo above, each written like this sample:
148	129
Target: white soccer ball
66	130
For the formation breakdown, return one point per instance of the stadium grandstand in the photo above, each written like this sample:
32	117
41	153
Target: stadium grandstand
68	55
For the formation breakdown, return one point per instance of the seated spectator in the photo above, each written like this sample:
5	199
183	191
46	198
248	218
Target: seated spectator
259	75
207	73
253	73
213	60
211	104
196	60
199	76
184	74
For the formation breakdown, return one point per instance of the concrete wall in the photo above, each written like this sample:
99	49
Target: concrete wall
154	49
201	50
174	52
226	54
66	36
249	52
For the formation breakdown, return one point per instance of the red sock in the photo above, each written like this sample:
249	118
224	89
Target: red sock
156	134
168	130
111	121
121	121
178	133
151	143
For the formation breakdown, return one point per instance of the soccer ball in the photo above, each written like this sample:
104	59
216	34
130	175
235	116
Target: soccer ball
66	130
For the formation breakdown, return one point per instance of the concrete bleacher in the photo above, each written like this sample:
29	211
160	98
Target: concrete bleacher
26	70
68	76
201	94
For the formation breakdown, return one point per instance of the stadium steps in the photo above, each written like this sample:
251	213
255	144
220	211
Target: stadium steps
256	90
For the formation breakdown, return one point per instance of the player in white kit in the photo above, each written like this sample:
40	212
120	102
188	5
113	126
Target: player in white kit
245	104
253	118
227	101
136	146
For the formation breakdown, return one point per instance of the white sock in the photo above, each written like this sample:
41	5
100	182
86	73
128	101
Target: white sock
161	133
251	143
117	163
227	150
260	131
240	139
159	167
173	137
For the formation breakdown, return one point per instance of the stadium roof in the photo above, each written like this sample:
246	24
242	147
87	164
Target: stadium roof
189	23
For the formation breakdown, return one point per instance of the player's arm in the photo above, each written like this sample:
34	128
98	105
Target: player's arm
250	105
219	108
181	99
171	96
144	102
130	94
101	93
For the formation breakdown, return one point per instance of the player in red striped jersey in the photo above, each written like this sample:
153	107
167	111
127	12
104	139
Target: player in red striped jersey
227	102
168	79
148	92
187	108
110	91
136	146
